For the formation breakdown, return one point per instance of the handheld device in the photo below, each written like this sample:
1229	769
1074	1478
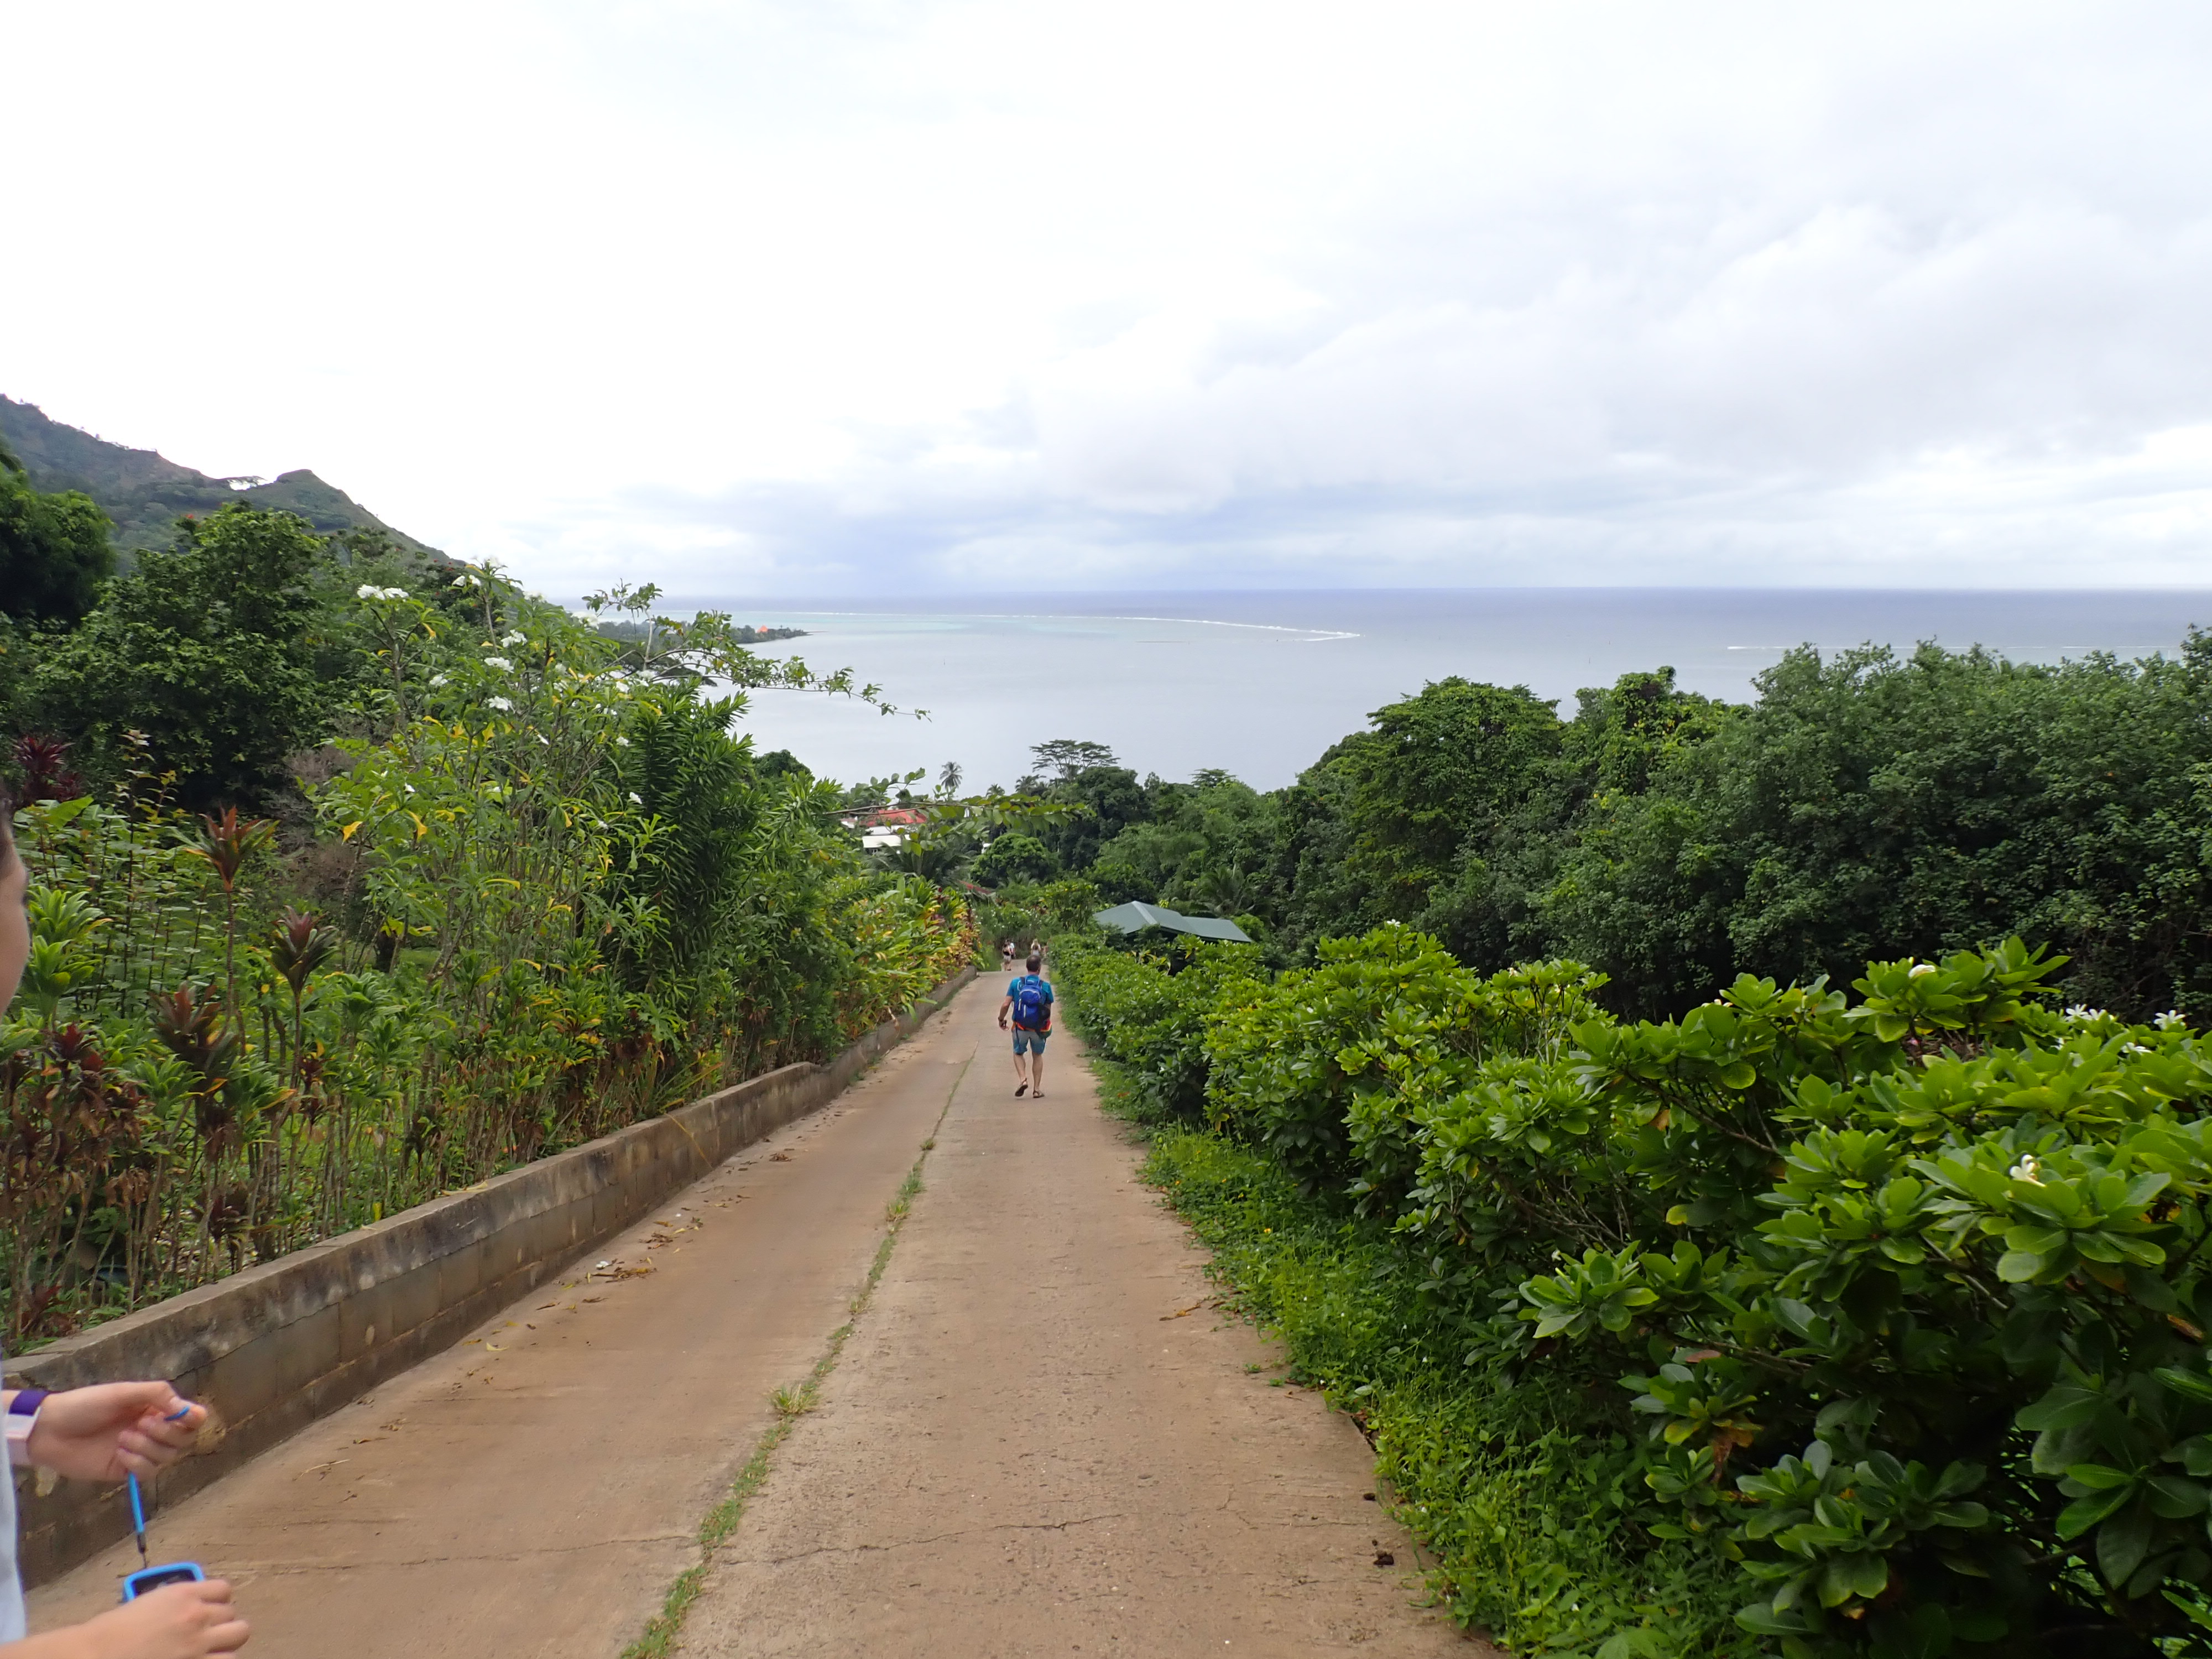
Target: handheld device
152	1578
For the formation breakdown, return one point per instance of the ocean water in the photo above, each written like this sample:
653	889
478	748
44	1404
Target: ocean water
1260	683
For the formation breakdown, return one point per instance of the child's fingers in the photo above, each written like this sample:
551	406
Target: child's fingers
143	1452
177	1427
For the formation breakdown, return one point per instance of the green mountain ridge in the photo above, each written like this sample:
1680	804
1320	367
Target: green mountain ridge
144	494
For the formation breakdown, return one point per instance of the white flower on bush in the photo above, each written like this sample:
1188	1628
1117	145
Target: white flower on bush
465	579
637	799
2083	1011
497	662
370	591
510	638
2168	1020
501	704
437	680
621	743
2026	1171
1920	968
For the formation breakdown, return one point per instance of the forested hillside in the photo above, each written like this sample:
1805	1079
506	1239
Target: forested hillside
144	494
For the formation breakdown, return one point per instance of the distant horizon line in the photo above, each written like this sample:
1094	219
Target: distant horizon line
851	602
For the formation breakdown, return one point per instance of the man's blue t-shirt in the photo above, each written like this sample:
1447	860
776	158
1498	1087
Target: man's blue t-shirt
1014	990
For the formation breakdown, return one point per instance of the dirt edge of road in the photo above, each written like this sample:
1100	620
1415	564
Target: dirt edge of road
791	1403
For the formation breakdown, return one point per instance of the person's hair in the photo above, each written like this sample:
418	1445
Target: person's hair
1035	963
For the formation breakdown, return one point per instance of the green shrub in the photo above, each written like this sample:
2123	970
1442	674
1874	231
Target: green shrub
1023	912
1147	1010
1014	857
1332	1067
1538	1514
1896	1304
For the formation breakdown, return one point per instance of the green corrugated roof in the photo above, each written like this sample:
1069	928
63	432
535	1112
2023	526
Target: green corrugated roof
1134	916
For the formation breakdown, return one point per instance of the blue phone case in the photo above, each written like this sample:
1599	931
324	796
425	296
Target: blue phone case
152	1578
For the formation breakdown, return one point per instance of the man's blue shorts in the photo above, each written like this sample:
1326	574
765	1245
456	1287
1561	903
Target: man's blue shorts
1026	1040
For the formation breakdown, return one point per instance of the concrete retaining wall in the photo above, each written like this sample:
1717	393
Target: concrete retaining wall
275	1347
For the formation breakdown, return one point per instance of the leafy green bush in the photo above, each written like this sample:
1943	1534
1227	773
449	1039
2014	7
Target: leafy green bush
1539	1517
1147	1010
1897	1303
1021	913
1012	859
1334	1067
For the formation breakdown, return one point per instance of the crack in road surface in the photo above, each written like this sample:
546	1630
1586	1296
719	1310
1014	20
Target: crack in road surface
916	1543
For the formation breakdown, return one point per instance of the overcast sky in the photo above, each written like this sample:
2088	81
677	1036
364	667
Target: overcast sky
782	299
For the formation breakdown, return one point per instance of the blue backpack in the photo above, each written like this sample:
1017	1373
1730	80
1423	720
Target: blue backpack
1032	1003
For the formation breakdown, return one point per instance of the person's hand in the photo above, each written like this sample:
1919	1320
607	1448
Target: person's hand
177	1622
115	1429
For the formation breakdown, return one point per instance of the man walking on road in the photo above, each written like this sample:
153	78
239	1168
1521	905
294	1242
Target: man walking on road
1029	1001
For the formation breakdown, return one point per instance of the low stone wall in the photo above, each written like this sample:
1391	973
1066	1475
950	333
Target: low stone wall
275	1347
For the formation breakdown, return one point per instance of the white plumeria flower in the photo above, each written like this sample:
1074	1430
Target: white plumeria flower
2083	1011
464	580
2168	1020
637	799
501	704
1920	968
621	743
2026	1171
510	638
497	662
437	679
370	591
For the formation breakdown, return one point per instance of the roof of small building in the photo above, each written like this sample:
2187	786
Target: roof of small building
1134	916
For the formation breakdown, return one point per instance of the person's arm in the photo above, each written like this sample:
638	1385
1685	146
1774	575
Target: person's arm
177	1622
104	1433
107	1432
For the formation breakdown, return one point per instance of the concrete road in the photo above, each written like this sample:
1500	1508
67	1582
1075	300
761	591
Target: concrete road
1041	1436
1044	1438
533	1490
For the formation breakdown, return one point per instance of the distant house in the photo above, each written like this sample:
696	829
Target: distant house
1134	918
886	826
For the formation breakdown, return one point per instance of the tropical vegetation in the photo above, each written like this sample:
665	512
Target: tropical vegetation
1866	806
357	878
1651	1125
1864	1323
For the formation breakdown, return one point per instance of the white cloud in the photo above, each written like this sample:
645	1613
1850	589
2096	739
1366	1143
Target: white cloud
781	297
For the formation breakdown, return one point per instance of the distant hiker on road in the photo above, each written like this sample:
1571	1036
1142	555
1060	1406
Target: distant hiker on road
1006	957
1029	1002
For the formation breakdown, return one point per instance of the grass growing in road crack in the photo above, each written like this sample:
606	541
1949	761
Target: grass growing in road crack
790	1403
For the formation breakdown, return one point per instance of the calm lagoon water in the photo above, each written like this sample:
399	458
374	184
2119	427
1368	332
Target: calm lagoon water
1259	683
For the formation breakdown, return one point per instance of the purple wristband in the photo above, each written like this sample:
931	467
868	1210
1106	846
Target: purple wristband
22	1416
27	1402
